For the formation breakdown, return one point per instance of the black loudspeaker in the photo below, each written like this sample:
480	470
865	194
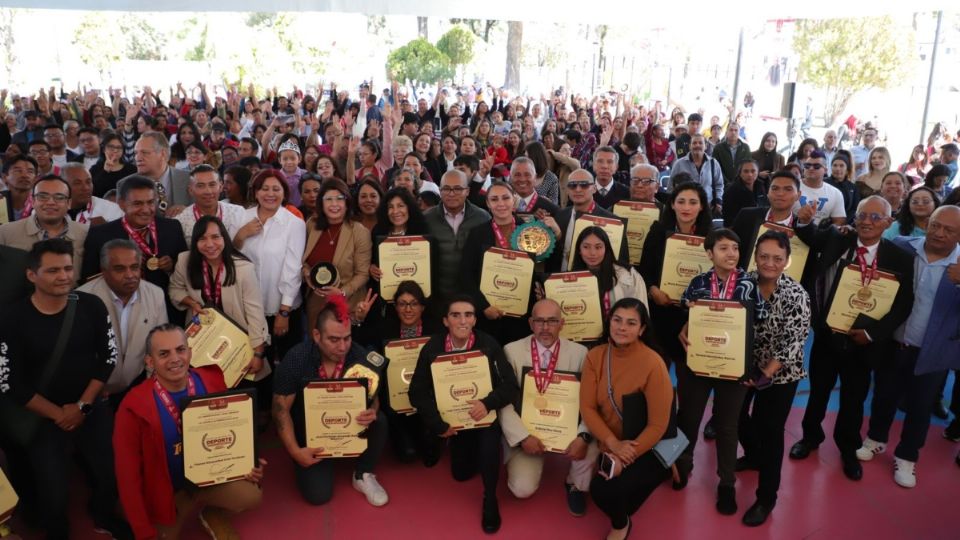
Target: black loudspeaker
789	94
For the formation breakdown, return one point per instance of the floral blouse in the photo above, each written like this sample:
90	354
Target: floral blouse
783	333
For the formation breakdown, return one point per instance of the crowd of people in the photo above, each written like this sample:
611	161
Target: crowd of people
124	217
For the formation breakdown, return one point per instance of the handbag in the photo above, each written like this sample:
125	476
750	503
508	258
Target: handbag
18	423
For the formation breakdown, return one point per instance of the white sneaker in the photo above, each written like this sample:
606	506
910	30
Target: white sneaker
870	448
369	486
904	473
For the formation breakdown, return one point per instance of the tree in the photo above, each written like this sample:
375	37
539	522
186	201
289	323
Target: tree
420	61
422	27
203	51
457	45
480	27
845	56
98	41
514	41
8	41
143	41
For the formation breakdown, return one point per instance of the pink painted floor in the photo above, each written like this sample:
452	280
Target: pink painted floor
816	502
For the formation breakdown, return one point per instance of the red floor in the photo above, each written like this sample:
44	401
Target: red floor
816	501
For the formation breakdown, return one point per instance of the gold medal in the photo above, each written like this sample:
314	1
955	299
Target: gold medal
324	275
864	293
153	264
540	402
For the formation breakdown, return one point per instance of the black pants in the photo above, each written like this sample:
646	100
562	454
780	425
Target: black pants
279	345
693	393
761	434
407	431
855	367
620	497
477	450
825	357
49	458
316	482
918	393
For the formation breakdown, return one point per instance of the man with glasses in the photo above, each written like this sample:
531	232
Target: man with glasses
19	175
40	151
152	160
861	152
450	223
525	453
826	200
90	145
59	153
51	201
645	184
867	346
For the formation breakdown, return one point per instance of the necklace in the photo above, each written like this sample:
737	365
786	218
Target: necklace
333	238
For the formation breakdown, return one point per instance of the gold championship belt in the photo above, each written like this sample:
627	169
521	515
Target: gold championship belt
534	238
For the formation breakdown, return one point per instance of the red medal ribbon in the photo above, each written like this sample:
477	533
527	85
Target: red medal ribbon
543	379
82	216
212	292
728	287
606	304
448	343
167	399
790	224
197	215
529	206
337	371
138	238
865	276
27	207
501	239
591	208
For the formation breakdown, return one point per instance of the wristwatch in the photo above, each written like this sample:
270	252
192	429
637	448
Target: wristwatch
284	313
587	438
85	408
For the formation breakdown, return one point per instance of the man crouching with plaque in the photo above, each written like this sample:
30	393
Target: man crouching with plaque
462	378
305	388
148	445
545	418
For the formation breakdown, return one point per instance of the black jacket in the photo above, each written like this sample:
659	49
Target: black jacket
737	197
616	192
423	394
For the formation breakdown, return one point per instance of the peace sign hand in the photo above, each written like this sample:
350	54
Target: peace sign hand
364	306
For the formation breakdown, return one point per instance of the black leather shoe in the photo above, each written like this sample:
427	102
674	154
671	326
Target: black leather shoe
952	432
940	411
757	514
852	468
683	472
802	449
491	515
709	433
576	501
727	500
958	460
746	464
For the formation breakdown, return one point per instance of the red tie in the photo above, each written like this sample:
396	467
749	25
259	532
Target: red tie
862	251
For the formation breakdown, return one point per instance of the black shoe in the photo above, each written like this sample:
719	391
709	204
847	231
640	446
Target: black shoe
576	501
683	472
852	468
490	521
727	500
940	411
757	514
802	449
746	464
709	433
958	460
952	433
114	526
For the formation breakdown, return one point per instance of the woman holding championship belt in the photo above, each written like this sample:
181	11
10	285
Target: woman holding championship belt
214	275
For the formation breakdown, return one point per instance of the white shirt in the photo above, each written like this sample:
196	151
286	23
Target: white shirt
523	205
276	253
829	201
545	354
232	215
124	312
100	208
861	155
871	253
89	162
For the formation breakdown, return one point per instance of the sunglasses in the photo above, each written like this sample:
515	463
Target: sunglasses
814	166
579	185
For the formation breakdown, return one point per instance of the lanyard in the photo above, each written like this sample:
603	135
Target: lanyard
82	216
728	287
167	399
337	371
501	239
543	379
448	343
528	207
197	215
138	238
212	292
865	276
789	224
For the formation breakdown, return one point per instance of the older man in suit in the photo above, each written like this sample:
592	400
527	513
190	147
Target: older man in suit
608	192
524	456
135	307
153	161
926	346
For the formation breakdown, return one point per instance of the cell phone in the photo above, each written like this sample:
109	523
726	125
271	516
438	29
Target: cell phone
607	465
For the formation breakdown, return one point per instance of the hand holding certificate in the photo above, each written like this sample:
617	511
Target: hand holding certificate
553	416
857	296
578	294
458	380
720	333
216	340
8	498
402	355
331	407
404	258
683	259
639	216
218	438
505	280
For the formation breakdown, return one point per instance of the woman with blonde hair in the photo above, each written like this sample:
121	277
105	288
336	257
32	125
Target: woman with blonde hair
878	165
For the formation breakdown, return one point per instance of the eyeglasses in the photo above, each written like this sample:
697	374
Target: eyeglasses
453	189
814	166
114	147
641	181
408	305
338	198
579	185
872	216
47	197
545	322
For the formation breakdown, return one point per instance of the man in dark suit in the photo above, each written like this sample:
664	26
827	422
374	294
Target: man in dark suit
608	192
523	173
580	187
783	193
160	239
868	345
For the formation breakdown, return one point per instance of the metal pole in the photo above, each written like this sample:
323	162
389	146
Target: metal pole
736	75
933	65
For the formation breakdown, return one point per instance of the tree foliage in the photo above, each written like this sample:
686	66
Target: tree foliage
98	42
420	61
845	56
480	27
457	44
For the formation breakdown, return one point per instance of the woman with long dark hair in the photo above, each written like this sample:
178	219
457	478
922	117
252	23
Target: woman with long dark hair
595	254
767	158
187	134
913	220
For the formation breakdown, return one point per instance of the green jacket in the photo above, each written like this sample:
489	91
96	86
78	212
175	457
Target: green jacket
449	245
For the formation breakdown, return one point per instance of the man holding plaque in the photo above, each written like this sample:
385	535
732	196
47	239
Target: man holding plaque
476	449
329	355
870	270
148	442
540	355
580	189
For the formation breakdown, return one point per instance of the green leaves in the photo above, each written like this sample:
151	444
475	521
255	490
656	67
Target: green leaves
457	44
419	60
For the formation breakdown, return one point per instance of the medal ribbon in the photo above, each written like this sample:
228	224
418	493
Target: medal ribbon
337	371
590	209
197	214
448	343
865	276
728	287
212	292
529	206
138	238
27	207
167	399
543	379
501	239
606	304
82	216
790	224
